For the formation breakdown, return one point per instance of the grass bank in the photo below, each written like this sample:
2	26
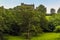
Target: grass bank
45	36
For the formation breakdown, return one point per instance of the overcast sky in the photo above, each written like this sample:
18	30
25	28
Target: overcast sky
48	3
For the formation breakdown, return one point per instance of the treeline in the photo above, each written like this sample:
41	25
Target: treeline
53	11
26	21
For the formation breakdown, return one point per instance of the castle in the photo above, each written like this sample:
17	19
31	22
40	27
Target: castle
28	6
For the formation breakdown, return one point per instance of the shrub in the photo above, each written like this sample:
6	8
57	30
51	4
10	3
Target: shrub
51	27
57	29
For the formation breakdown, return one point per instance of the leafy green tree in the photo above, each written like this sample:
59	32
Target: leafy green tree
58	11
55	20
29	21
10	21
52	11
43	21
42	9
2	23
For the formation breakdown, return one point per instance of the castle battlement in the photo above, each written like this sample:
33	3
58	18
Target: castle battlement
29	5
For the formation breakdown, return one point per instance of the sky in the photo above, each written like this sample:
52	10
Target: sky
47	3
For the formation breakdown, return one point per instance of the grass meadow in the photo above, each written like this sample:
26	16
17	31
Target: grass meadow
45	36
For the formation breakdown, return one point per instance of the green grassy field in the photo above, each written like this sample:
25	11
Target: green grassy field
48	36
45	36
14	38
48	17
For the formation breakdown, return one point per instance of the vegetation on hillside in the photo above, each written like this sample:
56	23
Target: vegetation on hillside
27	22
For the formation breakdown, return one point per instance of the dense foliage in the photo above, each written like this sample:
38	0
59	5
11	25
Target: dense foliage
26	21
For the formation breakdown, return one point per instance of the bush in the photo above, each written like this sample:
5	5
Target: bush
57	29
51	27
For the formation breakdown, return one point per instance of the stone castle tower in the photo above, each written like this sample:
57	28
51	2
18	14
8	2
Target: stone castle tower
29	6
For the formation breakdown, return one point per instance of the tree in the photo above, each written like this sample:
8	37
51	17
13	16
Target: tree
2	23
55	21
43	21
52	11
28	21
58	10
42	9
51	27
